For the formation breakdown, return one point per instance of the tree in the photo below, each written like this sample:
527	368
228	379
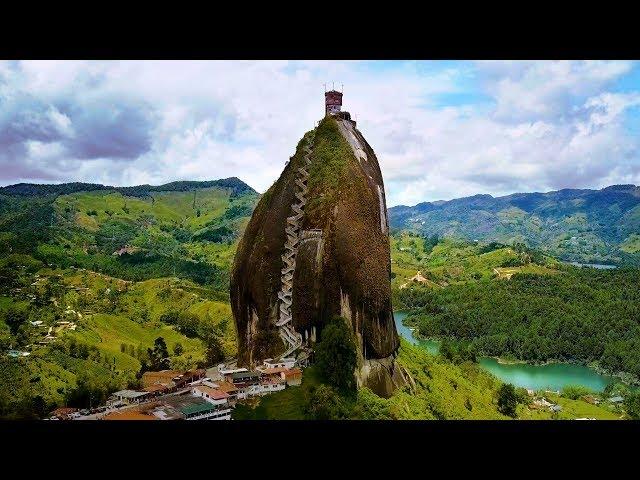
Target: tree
325	403
213	353
507	400
336	356
91	391
574	392
159	355
14	318
447	349
632	404
188	324
178	349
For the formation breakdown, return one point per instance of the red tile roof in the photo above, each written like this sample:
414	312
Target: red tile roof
155	388
129	415
294	372
63	411
275	370
212	392
227	387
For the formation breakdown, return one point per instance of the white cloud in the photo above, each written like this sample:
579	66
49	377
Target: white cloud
538	125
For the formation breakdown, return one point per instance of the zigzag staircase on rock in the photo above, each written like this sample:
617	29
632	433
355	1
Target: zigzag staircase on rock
291	338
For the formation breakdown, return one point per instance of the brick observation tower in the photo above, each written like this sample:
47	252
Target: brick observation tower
332	102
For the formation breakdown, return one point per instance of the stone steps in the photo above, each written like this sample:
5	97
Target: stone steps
290	337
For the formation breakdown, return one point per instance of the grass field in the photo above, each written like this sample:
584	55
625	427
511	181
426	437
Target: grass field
163	207
450	261
631	244
571	409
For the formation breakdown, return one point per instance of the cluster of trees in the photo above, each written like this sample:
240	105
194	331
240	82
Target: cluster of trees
24	223
458	352
191	326
507	400
217	235
157	357
335	363
237	187
581	314
103	364
336	357
137	266
129	349
17	398
91	390
429	242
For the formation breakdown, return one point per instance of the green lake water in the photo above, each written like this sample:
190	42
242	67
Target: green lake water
553	376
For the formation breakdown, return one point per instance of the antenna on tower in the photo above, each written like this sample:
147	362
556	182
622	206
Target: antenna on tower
333	85
342	88
325	87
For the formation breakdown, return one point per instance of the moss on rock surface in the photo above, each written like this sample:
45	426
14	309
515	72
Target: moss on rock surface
344	270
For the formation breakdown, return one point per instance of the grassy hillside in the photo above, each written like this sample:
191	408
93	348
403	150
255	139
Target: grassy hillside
580	315
57	264
515	302
185	227
443	262
116	322
127	267
442	390
586	226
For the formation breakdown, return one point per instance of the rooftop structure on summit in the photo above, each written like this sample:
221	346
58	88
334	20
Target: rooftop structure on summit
333	106
332	102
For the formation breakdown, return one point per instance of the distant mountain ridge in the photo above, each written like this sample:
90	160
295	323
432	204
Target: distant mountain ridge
237	186
590	226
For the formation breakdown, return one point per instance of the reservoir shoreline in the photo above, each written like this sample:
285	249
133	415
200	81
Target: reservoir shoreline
551	374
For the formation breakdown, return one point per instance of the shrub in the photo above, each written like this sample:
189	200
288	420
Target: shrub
336	356
574	392
507	400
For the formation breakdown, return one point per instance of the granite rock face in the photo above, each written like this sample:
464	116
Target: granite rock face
342	264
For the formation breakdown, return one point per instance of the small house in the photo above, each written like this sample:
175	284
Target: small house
240	379
211	395
130	396
282	363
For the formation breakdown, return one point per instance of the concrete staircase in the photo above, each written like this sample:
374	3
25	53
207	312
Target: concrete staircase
291	338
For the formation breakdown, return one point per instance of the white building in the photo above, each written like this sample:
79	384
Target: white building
265	387
211	395
282	363
225	371
129	396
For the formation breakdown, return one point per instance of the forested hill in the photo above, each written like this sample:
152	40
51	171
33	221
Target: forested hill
185	229
589	226
237	186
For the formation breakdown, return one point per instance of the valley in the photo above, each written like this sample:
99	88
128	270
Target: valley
91	278
586	226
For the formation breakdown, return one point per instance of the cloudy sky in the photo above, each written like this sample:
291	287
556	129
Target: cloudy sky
441	130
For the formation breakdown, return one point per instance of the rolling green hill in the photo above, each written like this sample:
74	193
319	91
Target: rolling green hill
437	263
184	229
130	265
126	266
587	226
